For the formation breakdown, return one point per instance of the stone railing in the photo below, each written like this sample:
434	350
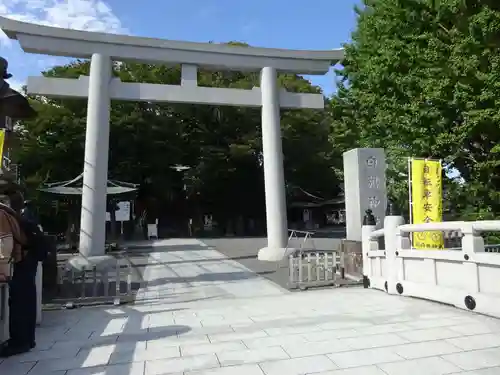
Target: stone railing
465	277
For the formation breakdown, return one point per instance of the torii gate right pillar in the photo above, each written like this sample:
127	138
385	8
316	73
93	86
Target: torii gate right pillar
274	180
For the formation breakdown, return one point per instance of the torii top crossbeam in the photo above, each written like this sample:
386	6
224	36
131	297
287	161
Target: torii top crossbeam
72	43
63	42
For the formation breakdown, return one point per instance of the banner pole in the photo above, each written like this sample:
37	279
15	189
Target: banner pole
409	190
2	146
441	192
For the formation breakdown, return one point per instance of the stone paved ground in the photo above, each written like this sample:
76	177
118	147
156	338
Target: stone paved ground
244	251
210	315
241	250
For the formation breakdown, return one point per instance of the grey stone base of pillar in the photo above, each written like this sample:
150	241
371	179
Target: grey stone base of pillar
275	254
99	262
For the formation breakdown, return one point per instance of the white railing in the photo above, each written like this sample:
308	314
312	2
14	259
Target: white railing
312	268
309	267
374	268
492	248
301	236
94	286
466	277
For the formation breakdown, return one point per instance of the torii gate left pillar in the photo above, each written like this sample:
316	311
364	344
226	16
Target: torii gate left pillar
95	165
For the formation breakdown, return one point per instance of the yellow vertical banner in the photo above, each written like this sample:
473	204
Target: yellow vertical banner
2	142
427	201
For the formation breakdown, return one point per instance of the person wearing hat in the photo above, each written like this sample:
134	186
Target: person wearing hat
22	285
12	103
4	66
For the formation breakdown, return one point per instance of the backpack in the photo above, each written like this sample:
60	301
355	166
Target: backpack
36	244
7	242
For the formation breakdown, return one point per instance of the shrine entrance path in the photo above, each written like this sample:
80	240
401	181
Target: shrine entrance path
199	312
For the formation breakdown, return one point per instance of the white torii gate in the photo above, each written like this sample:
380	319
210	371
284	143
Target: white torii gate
100	87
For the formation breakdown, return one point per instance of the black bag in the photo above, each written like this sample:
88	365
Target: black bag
36	244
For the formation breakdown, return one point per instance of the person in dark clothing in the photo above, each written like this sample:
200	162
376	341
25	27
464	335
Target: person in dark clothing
28	213
22	286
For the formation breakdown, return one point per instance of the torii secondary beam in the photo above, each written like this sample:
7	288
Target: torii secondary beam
185	93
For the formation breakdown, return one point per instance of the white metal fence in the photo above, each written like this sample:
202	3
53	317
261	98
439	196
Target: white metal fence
310	267
92	285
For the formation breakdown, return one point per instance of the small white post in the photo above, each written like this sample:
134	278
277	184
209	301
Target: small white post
402	243
472	242
189	75
366	246
39	291
392	243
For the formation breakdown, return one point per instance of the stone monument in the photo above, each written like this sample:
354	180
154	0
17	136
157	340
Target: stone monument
365	188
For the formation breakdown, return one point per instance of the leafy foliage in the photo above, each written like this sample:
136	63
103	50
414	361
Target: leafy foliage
422	78
221	145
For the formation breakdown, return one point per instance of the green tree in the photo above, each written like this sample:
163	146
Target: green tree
221	145
421	78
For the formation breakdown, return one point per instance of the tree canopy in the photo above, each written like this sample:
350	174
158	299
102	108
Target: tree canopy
422	78
220	145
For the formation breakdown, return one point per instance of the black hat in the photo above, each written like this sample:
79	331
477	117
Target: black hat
4	65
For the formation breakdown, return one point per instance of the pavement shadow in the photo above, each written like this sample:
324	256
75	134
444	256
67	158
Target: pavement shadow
99	339
153	247
244	251
205	277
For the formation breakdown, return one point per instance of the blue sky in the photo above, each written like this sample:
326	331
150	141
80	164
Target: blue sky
321	24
